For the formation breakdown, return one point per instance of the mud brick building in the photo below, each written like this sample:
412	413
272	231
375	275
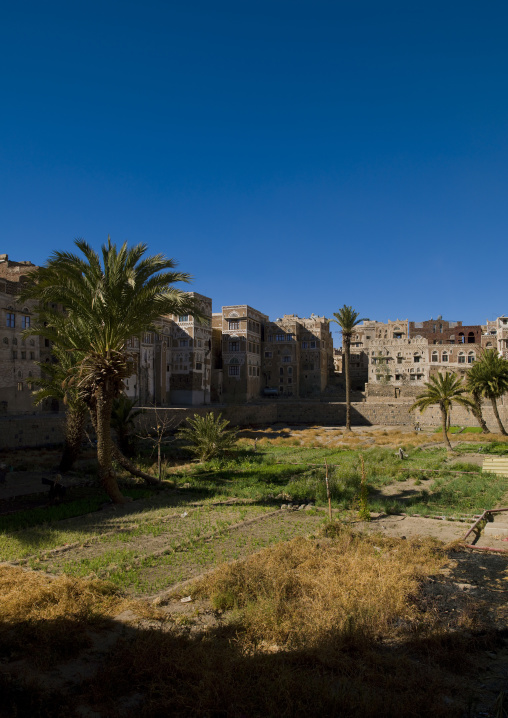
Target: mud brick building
298	355
400	362
238	334
254	357
441	331
18	356
173	366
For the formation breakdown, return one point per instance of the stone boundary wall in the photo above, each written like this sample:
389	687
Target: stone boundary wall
18	432
45	430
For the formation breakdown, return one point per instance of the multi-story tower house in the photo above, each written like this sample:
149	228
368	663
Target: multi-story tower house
363	335
190	373
240	331
297	355
18	356
281	367
495	335
173	366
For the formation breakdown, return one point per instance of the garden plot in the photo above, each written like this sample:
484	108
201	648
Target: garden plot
150	553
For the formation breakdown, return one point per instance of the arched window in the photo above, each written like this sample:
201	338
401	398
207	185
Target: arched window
435	356
462	358
445	356
489	345
470	357
462	339
470	338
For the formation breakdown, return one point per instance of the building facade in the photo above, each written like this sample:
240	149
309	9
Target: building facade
19	356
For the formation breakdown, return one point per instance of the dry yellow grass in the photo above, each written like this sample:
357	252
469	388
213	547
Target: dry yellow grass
47	619
302	592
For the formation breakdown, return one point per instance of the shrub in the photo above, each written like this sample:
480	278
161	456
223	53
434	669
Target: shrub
208	436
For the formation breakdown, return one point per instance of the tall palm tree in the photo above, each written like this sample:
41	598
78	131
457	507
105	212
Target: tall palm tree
489	377
347	319
52	385
443	390
104	303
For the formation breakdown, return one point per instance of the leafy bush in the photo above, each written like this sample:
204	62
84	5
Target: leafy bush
208	436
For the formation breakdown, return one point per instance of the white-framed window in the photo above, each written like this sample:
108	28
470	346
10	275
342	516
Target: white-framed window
234	323
25	322
183	318
435	357
470	357
445	357
462	358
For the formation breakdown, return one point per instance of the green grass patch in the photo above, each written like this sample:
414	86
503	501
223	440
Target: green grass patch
461	430
57	512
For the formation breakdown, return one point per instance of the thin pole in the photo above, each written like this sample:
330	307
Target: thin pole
328	491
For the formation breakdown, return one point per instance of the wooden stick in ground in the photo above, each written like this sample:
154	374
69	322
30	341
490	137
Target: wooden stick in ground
328	491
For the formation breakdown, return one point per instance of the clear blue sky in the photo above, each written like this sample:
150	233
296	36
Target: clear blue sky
292	155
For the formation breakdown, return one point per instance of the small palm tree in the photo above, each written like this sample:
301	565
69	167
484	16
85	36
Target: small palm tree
208	436
104	303
347	319
53	385
443	390
473	380
489	378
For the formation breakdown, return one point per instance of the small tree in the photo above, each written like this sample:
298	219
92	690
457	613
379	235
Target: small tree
208	436
53	384
156	427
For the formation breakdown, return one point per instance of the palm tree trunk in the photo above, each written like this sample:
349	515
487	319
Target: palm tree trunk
133	469
477	411
104	401
118	456
498	418
74	428
445	430
346	340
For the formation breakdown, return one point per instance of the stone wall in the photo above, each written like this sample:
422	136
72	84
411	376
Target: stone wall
31	431
44	430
